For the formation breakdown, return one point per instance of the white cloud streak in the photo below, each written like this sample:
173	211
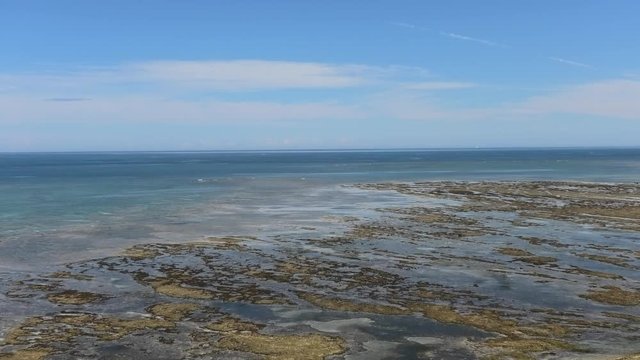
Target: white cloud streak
472	39
405	25
392	93
439	85
486	42
608	99
570	62
254	74
614	98
402	24
191	91
134	109
446	34
230	75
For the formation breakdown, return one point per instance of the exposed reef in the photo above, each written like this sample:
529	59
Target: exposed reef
468	270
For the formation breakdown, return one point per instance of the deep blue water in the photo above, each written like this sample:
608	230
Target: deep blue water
53	204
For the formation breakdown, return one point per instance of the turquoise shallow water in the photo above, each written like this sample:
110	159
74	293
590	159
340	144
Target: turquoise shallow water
58	207
68	212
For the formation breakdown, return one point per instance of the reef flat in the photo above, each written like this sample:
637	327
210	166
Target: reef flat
467	270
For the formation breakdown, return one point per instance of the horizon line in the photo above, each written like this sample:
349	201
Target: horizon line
478	148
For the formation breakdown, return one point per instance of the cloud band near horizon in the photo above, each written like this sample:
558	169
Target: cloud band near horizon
195	91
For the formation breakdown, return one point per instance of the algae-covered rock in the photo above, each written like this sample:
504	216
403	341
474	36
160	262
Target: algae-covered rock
614	295
170	288
537	260
140	252
630	357
231	324
510	251
26	354
172	311
284	347
244	336
63	328
73	297
348	305
529	345
70	275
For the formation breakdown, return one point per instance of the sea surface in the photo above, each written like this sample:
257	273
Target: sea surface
61	207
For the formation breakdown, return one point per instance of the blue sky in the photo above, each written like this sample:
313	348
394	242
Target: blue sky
200	75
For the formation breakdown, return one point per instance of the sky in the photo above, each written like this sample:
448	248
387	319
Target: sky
95	75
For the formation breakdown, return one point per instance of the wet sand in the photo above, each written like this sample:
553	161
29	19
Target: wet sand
466	270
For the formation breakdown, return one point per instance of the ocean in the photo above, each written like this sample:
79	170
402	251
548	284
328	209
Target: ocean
57	207
358	254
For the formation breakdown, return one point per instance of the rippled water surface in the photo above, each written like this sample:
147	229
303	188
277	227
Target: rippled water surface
293	241
54	207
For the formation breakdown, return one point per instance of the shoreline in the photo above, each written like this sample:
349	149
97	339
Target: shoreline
489	270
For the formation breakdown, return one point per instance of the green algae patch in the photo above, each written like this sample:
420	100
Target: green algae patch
62	330
508	356
141	252
537	260
600	274
545	330
510	251
606	259
26	288
614	295
436	294
184	284
73	297
70	275
443	218
111	328
244	336
525	256
230	324
530	345
486	320
624	212
350	306
226	243
433	216
170	288
26	354
538	241
172	311
519	341
524	348
369	276
151	251
623	316
630	357
284	347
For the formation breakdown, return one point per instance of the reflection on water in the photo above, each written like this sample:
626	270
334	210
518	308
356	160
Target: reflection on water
230	251
57	207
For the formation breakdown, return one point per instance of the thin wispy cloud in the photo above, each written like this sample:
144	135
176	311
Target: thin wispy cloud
472	39
67	99
214	75
439	85
181	91
195	91
253	74
406	25
570	62
461	37
402	24
156	109
451	35
614	98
